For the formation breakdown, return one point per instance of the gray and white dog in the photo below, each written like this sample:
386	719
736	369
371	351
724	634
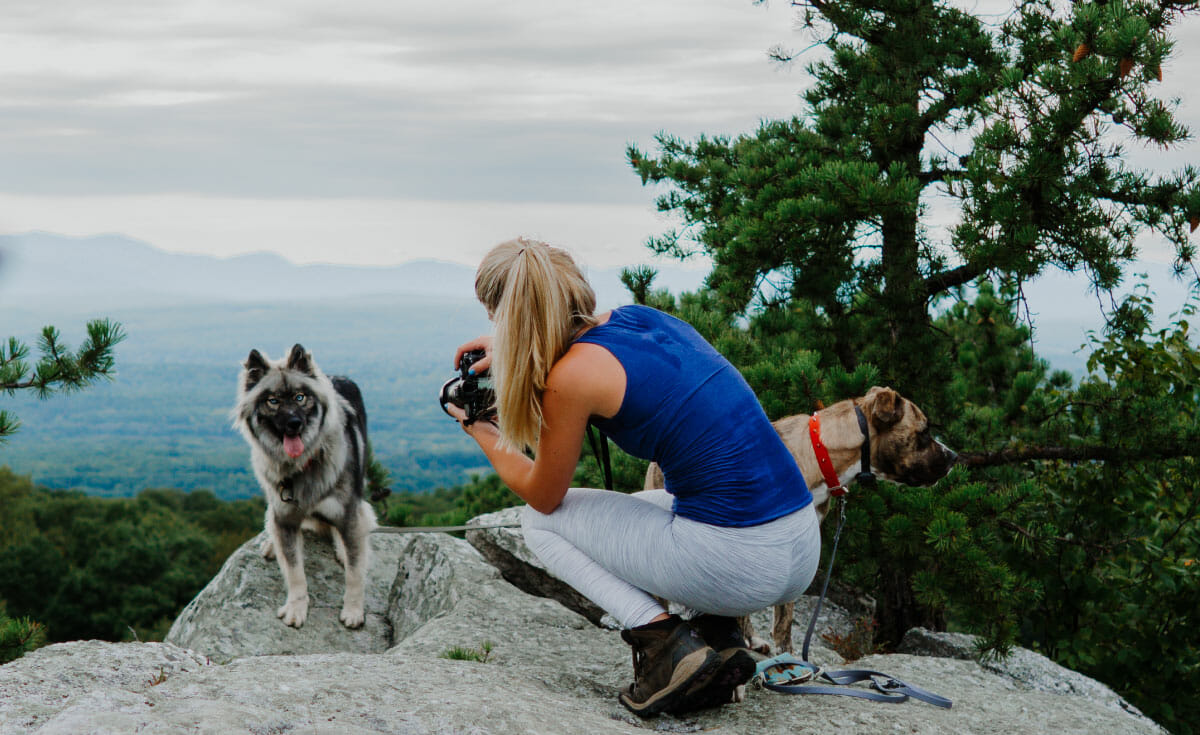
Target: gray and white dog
308	446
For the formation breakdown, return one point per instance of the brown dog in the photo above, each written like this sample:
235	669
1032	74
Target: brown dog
902	450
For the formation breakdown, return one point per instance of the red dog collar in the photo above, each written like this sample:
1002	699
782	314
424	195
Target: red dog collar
836	488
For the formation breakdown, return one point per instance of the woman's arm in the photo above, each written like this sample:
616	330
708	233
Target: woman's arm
587	381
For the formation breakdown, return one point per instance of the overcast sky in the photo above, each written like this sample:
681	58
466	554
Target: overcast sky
376	131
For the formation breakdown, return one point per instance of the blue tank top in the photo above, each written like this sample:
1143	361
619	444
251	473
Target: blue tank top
688	409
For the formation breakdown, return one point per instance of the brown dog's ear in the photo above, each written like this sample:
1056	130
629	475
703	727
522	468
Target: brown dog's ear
299	360
256	366
886	407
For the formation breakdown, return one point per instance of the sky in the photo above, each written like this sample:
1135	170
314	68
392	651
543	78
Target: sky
376	132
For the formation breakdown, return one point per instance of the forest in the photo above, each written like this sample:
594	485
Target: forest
1071	524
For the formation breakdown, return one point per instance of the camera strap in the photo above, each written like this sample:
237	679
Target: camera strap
601	454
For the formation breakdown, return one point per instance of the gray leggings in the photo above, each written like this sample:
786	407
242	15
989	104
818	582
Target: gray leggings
618	550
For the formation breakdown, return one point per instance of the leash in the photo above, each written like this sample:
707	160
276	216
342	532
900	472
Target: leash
441	529
602	455
784	673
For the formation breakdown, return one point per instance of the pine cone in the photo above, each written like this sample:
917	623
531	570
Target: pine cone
1081	52
1194	222
1126	66
1158	72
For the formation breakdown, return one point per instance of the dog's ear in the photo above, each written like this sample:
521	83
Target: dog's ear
886	407
256	367
300	361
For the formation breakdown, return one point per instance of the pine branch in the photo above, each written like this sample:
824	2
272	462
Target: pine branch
1188	447
946	280
58	369
1103	548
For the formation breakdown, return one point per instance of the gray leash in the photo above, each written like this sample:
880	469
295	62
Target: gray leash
884	688
441	529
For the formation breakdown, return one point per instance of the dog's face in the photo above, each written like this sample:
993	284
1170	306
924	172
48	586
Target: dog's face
281	405
902	447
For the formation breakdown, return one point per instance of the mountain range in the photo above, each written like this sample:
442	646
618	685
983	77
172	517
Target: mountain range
41	270
190	320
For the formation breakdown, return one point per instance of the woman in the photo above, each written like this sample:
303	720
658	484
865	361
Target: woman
733	532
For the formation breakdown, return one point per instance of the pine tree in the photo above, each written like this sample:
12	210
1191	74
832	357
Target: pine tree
916	101
819	223
18	636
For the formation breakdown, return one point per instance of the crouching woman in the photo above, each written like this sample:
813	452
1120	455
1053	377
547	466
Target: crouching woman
733	532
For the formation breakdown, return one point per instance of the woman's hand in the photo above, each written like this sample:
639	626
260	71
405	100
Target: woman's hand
460	415
479	343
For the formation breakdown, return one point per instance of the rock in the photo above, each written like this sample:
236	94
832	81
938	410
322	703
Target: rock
435	573
505	548
409	691
925	642
549	670
1028	668
234	615
37	687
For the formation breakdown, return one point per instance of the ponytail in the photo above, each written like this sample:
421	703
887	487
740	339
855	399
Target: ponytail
538	299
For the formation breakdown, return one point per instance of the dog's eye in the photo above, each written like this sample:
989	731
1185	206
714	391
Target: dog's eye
300	398
272	401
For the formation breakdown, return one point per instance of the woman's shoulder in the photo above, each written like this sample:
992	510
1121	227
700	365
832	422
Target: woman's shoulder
589	371
636	315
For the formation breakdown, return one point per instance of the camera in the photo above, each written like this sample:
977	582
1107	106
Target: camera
472	393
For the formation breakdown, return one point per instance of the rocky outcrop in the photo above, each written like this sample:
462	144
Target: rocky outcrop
549	670
505	549
234	616
1030	669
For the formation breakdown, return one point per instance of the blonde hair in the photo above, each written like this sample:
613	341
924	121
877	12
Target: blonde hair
538	299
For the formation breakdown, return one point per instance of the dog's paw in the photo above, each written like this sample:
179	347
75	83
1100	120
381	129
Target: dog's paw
267	549
758	645
739	694
294	612
352	617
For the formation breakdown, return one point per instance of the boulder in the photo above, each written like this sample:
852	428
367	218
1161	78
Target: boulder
234	616
506	550
539	668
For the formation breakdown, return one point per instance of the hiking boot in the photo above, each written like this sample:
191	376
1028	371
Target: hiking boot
736	666
671	663
719	632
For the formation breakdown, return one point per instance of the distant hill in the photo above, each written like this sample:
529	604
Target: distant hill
41	269
164	421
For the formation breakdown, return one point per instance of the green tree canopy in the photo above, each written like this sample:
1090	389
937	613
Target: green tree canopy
1022	125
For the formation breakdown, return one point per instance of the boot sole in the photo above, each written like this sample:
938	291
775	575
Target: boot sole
689	675
736	667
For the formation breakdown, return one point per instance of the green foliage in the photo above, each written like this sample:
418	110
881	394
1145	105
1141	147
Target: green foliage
112	569
58	369
478	655
1114	542
18	636
453	506
919	102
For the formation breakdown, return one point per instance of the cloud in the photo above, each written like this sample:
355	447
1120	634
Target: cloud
271	107
438	100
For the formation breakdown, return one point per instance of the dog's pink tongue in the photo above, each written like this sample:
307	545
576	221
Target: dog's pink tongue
293	445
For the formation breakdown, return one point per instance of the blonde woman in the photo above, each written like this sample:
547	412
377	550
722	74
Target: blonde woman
735	500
